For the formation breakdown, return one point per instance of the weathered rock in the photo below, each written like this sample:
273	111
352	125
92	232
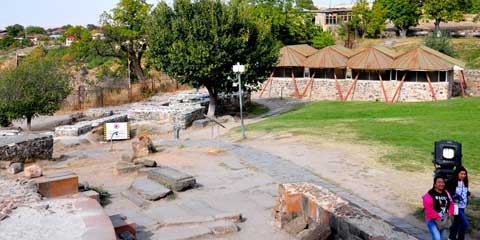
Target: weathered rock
223	227
140	149
149	189
127	157
296	225
125	168
172	178
33	171
135	198
201	123
5	164
15	168
145	162
315	231
147	140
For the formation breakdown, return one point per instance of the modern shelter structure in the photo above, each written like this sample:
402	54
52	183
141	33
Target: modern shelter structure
370	74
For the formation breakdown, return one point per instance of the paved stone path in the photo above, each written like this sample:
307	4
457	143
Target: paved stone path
285	171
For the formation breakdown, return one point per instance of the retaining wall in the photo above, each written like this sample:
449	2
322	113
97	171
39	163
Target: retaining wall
323	207
364	90
26	147
472	78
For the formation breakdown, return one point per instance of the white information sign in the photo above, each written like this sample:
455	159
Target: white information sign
116	131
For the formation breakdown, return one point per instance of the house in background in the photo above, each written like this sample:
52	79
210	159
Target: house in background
69	40
37	38
330	17
3	33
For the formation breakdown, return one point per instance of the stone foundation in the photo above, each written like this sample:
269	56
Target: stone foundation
85	126
184	108
318	206
365	90
21	148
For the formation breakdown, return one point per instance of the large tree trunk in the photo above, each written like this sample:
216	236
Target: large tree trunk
213	102
137	69
402	32
437	25
29	123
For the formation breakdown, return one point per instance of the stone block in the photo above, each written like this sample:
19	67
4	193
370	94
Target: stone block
296	225
172	178
315	232
293	202
149	189
223	227
32	171
140	149
92	194
145	162
125	168
127	157
201	123
15	168
135	198
59	184
122	224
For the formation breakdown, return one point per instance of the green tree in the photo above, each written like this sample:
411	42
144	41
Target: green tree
360	15
323	39
402	13
15	30
440	42
125	34
289	22
198	42
75	31
305	4
376	20
442	11
35	30
36	86
91	27
6	42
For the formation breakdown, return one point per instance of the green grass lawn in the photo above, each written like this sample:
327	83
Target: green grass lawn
408	130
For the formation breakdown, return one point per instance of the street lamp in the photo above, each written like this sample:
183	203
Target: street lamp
239	69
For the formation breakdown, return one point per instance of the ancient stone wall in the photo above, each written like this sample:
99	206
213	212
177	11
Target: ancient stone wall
300	205
364	90
472	78
26	147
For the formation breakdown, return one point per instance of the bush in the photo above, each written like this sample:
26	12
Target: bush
323	39
440	41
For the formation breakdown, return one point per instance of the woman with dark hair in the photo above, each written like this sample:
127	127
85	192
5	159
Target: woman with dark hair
457	186
438	206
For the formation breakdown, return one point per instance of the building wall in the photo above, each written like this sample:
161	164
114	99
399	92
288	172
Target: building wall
365	90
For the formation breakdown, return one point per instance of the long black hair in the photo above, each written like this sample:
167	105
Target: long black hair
454	178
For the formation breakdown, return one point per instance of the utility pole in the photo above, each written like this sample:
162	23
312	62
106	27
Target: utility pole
129	83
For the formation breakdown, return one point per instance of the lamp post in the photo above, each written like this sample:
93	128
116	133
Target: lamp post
239	69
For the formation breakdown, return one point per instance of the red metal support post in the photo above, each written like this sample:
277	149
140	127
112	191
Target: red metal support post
399	87
351	86
337	84
431	88
383	87
267	83
307	86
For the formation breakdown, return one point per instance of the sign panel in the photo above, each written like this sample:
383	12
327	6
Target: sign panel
116	131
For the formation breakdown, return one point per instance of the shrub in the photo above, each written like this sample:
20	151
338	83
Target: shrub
440	41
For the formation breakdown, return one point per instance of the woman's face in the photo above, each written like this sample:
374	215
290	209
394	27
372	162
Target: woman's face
439	184
462	175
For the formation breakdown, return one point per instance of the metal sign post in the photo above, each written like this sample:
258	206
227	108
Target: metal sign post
239	69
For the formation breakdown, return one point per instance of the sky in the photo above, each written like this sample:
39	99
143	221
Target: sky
56	13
